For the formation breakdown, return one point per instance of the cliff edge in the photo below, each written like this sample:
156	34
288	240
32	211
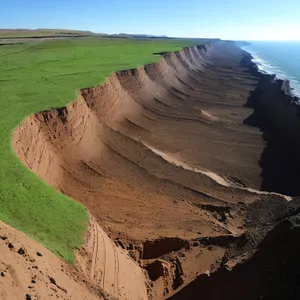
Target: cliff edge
181	185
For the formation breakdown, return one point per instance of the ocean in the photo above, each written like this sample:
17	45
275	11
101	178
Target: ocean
280	58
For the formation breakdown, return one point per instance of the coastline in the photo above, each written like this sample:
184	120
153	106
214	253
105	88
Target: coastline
277	114
142	152
277	65
284	83
272	267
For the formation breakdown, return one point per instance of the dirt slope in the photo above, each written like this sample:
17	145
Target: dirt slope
163	160
27	268
29	271
110	267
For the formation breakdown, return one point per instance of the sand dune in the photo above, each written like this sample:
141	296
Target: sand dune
162	159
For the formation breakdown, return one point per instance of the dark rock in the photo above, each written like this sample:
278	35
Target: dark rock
4	237
178	281
121	244
21	251
131	246
28	297
179	266
52	280
39	254
132	255
2	274
10	246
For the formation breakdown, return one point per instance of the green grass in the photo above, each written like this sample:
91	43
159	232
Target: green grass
35	77
17	33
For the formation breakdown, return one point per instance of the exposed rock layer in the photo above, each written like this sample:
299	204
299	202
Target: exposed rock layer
165	153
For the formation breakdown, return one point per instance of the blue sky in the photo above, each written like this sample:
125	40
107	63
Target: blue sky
226	19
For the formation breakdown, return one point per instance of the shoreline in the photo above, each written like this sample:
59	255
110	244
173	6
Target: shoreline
271	267
277	114
280	74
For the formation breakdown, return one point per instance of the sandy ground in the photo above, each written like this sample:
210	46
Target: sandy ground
162	159
103	271
30	271
110	267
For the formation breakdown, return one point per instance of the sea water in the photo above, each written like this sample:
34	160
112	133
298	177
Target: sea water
279	58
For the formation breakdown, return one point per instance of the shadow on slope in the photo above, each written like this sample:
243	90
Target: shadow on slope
272	273
277	117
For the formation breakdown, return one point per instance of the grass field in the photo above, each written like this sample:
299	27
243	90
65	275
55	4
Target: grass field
35	77
27	33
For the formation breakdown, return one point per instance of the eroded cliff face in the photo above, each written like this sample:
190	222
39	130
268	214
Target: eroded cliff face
165	160
277	114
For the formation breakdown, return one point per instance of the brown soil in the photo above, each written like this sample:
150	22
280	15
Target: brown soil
29	271
162	159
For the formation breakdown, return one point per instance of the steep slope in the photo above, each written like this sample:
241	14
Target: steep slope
104	271
29	271
162	159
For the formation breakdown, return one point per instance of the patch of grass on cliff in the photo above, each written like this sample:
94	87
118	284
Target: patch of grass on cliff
39	76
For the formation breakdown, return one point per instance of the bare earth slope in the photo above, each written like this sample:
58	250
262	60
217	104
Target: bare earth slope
29	271
161	157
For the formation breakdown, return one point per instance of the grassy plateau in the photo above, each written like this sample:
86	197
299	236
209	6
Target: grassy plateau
27	33
39	76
